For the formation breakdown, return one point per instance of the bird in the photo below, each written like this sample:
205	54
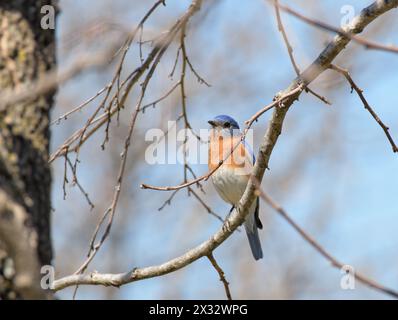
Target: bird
231	178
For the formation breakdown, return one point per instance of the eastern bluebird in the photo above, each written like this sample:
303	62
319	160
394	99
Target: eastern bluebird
231	178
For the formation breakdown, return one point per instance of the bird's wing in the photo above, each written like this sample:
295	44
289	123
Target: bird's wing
256	213
250	151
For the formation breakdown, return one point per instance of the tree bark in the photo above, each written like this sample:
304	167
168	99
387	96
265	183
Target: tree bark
26	52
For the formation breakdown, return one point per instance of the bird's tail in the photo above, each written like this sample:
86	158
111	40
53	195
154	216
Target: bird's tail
254	241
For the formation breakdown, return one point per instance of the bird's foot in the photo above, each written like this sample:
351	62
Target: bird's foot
226	225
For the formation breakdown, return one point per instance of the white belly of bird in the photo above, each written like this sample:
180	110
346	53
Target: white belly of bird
229	185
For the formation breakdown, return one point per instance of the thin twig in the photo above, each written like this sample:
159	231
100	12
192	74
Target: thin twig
184	58
155	102
208	209
359	91
200	79
289	48
79	107
79	185
221	274
285	38
343	32
168	201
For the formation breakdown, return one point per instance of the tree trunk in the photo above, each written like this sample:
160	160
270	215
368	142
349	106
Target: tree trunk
26	52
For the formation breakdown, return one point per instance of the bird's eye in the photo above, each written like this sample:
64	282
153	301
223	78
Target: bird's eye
227	125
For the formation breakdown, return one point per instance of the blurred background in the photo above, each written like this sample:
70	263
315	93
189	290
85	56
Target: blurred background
332	169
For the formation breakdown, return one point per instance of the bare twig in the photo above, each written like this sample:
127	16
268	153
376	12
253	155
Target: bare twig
203	203
278	101
155	102
75	181
317	95
79	107
285	38
200	79
347	32
359	91
290	51
184	58
221	274
168	201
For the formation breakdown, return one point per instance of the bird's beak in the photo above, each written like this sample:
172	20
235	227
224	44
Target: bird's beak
212	123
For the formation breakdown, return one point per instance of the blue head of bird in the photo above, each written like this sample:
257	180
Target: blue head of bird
225	126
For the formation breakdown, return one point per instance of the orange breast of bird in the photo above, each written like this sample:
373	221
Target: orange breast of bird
220	149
